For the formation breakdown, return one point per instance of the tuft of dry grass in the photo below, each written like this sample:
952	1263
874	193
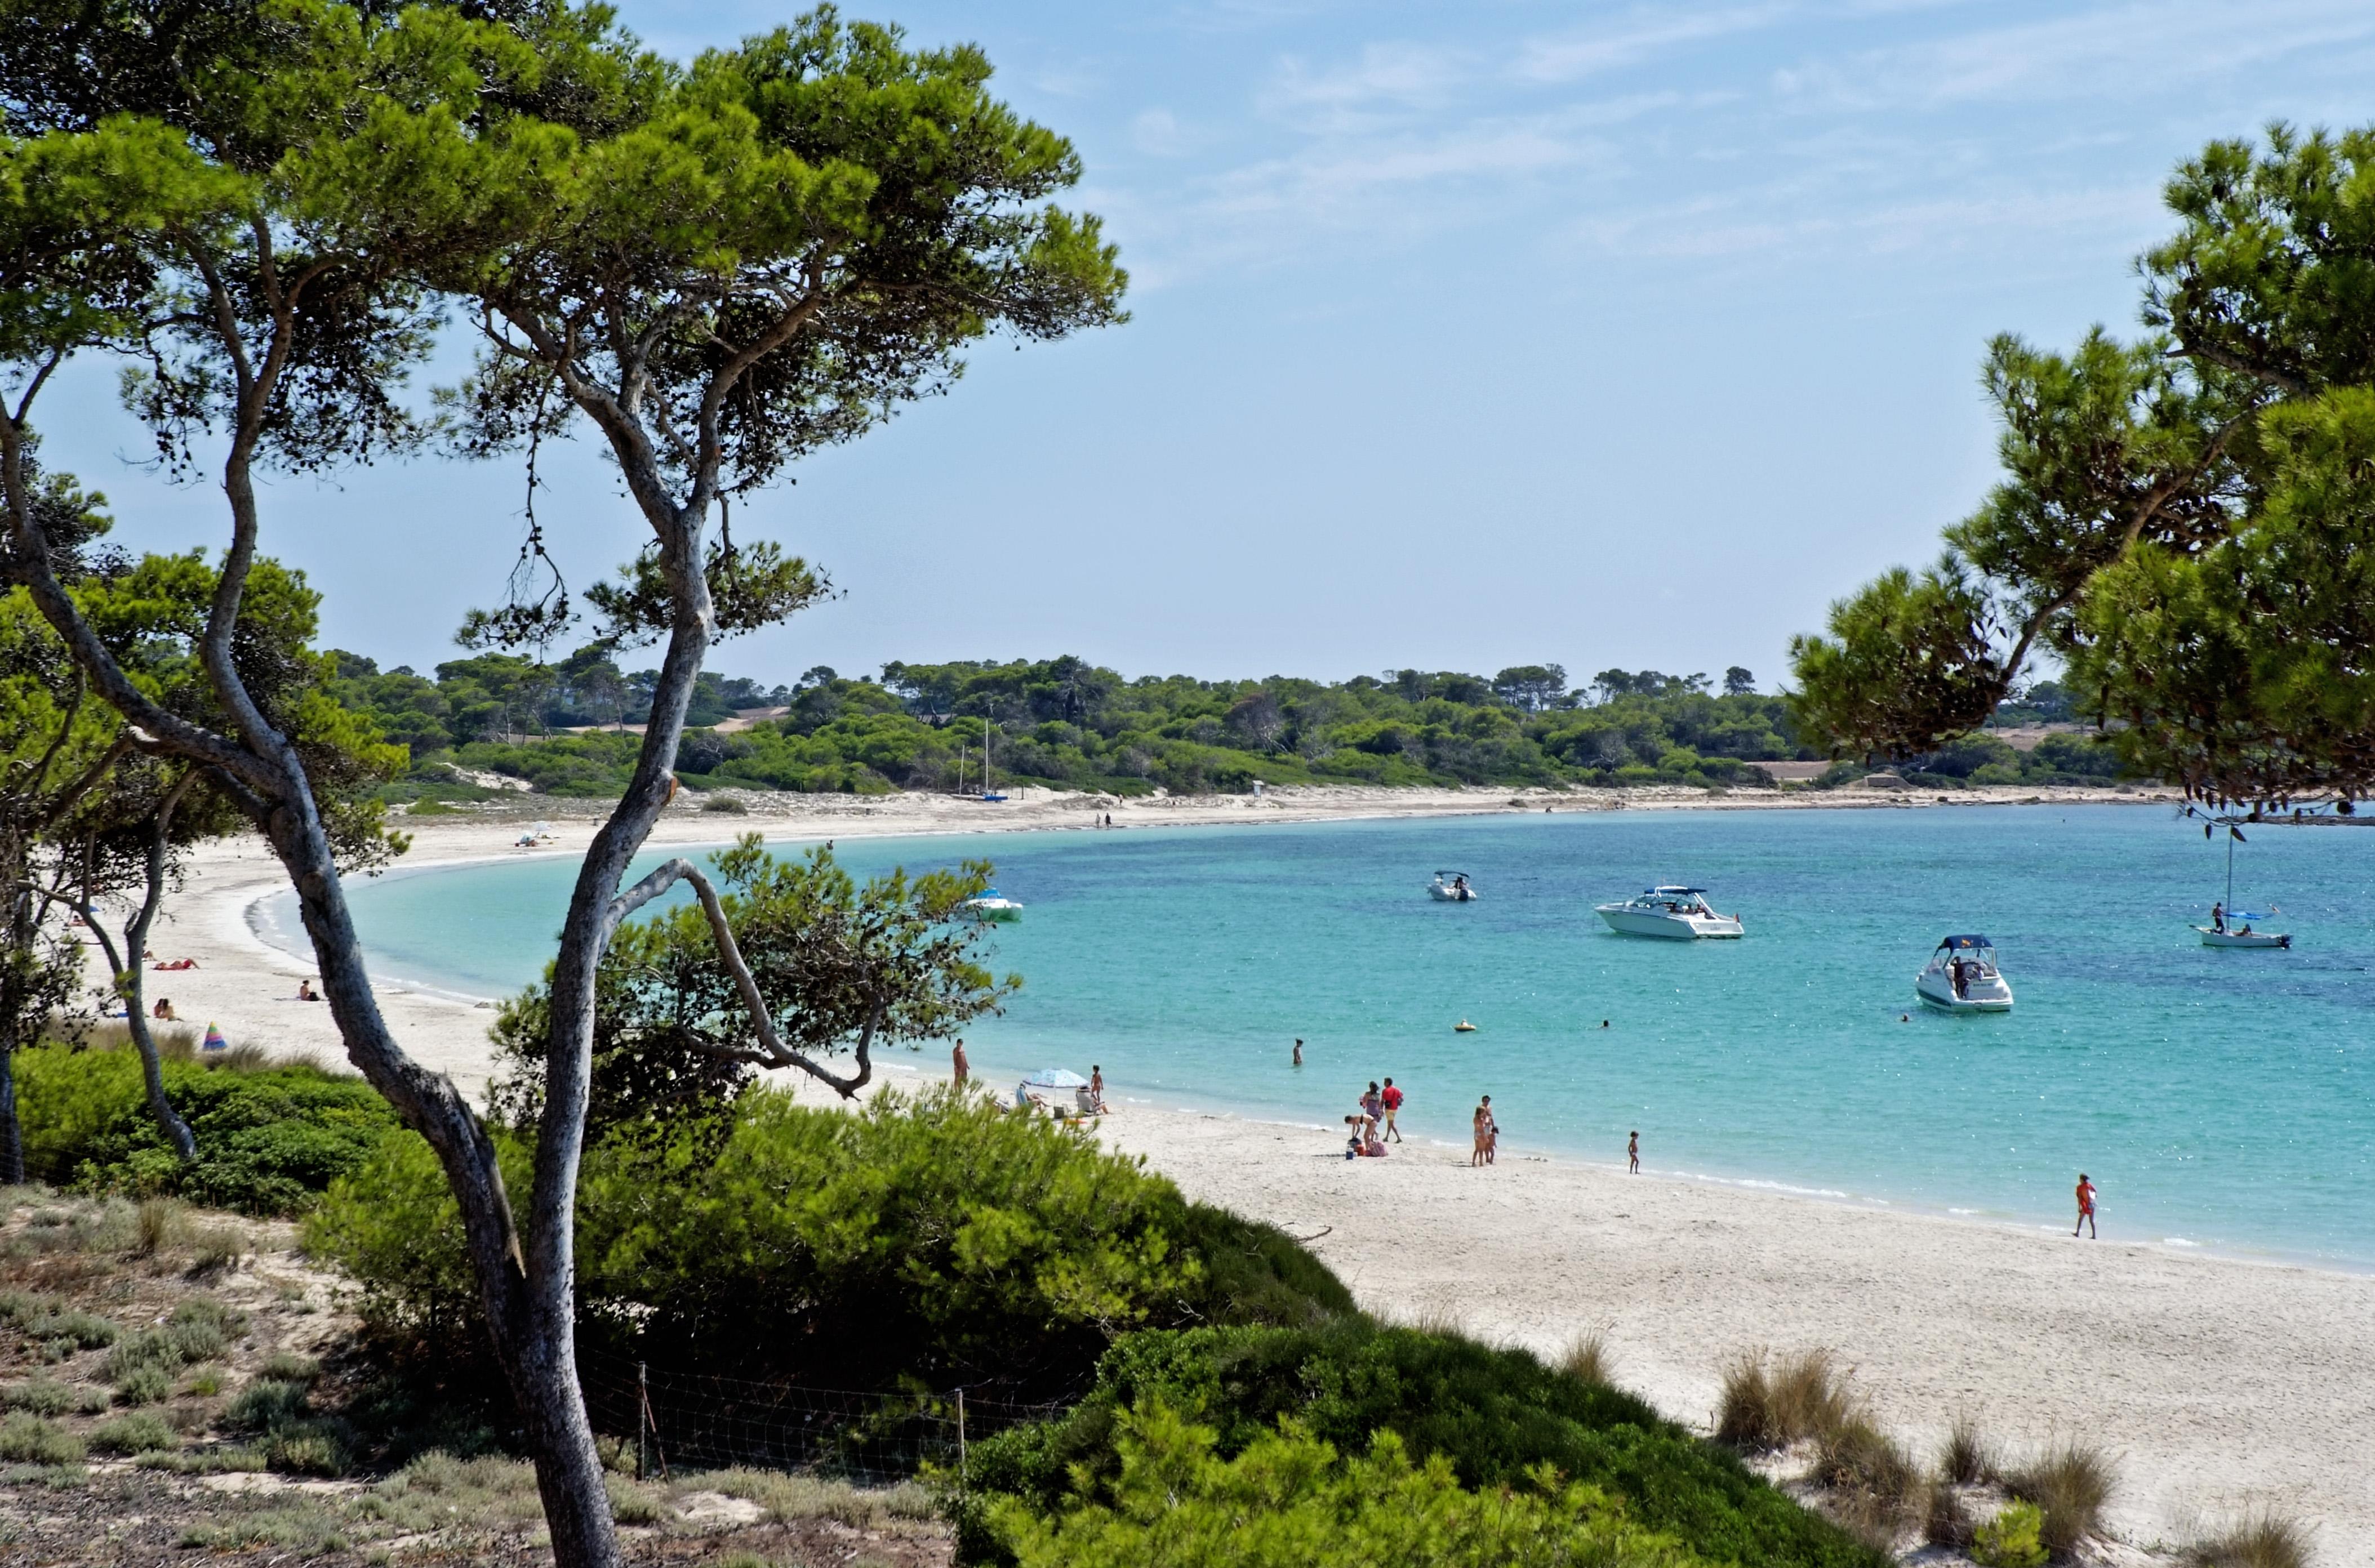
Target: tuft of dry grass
1767	1405
160	1225
2072	1484
1948	1522
1589	1359
1967	1458
790	1499
2264	1541
1876	1487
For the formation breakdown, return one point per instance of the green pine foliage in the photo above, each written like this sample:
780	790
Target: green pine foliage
1286	1502
270	1141
1496	1416
926	1242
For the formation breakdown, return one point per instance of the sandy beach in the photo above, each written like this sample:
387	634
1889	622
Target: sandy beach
2220	1384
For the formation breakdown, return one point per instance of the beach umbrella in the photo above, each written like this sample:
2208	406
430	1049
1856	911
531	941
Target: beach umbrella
215	1041
1056	1078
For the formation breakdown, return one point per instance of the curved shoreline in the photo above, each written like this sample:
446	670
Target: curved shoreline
2224	1381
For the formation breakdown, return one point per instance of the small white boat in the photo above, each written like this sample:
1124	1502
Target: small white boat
1962	977
1459	890
1682	913
2243	936
2229	926
991	905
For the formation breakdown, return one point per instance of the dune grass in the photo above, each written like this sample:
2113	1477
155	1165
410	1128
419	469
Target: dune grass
1589	1361
1769	1405
2264	1540
2072	1484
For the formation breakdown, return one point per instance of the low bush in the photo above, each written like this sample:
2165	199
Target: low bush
43	1396
923	1241
270	1139
1948	1523
140	1433
143	1367
2071	1485
2011	1540
28	1439
1494	1415
2265	1540
1286	1499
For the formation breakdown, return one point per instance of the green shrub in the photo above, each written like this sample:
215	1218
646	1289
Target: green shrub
931	1241
1494	1415
2010	1540
143	1367
143	1384
43	1396
29	1440
1286	1499
137	1433
269	1141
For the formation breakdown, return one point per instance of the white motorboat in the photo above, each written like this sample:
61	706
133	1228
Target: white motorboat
1962	977
2229	926
1459	889
1680	914
991	905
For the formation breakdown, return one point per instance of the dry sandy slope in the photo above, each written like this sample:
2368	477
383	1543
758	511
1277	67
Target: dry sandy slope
2221	1382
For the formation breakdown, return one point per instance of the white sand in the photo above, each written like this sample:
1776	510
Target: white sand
2220	1384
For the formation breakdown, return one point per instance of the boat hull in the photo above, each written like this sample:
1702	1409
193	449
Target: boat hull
1937	992
1668	927
1444	895
2214	938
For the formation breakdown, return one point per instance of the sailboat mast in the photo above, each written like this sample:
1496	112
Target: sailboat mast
2231	868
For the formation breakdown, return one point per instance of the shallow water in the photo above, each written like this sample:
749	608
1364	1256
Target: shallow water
2218	1098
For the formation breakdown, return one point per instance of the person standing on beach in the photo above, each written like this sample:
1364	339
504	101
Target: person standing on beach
2085	1209
1485	1133
963	1069
1633	1152
1097	1088
1393	1101
1373	1104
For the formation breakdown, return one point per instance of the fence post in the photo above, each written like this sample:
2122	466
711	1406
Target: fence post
960	1440
643	1408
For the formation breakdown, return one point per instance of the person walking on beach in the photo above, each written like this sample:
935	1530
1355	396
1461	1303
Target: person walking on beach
963	1069
1097	1089
1633	1152
1373	1104
1393	1101
2085	1209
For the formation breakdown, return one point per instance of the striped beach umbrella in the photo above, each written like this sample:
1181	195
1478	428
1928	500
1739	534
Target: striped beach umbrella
215	1041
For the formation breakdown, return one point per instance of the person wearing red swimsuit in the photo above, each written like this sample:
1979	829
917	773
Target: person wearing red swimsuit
2085	1209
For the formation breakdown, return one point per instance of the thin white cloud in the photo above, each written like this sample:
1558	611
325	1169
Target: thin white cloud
1158	134
1570	57
1386	82
2125	52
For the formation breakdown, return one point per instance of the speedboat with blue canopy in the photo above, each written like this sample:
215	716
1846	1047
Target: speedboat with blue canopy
991	905
1963	977
1677	913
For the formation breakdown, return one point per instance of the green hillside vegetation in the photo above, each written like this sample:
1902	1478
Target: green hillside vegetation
1068	724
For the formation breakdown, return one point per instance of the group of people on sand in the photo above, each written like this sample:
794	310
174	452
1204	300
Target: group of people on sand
1373	1124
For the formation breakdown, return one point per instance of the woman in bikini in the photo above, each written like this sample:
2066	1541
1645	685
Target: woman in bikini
1485	1134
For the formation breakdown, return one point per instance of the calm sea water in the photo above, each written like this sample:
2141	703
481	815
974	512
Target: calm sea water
2218	1098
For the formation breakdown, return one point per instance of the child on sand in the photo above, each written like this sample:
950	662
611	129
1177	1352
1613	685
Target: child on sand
1633	1152
2085	1209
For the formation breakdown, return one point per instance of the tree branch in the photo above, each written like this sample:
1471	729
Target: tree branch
772	1051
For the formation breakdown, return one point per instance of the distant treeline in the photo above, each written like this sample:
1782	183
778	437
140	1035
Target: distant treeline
1071	725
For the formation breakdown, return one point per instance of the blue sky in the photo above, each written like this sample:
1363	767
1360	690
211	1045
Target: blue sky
1463	336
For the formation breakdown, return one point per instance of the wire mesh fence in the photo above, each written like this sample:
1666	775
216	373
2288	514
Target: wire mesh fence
682	1421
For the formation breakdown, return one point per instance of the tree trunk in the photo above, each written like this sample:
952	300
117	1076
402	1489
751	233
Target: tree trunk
12	1143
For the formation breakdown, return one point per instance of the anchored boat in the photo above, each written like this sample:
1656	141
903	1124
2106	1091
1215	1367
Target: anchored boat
991	905
2229	926
1680	914
1459	890
1962	977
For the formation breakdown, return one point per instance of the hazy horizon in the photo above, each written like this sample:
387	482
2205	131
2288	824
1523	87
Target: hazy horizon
1588	334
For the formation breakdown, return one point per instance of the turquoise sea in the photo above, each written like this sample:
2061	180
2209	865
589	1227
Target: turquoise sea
2222	1100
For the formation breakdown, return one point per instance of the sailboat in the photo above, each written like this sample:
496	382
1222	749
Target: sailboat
986	792
2222	931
